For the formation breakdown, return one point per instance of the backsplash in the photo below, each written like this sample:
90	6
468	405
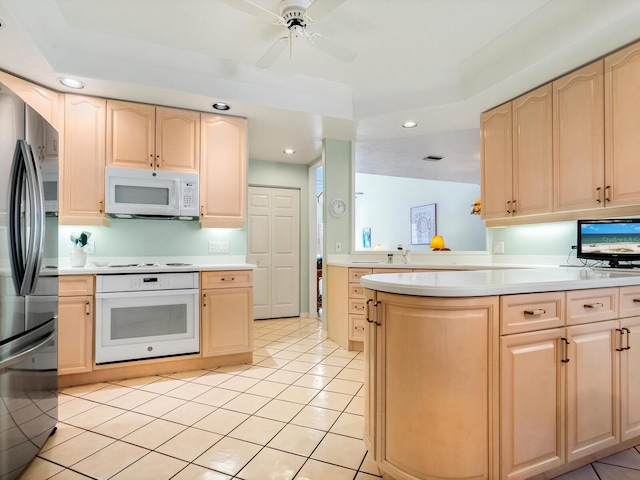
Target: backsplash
154	238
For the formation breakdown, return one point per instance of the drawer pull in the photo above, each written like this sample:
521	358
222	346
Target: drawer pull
565	350
88	308
358	328
636	300
593	305
538	311
366	315
621	332
628	347
378	302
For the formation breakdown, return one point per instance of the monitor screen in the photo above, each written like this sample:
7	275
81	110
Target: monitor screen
612	240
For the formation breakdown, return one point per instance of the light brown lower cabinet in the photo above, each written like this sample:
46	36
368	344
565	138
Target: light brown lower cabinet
226	312
75	324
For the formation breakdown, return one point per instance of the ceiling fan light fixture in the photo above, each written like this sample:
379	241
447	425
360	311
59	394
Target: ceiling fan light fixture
409	124
221	106
71	83
288	151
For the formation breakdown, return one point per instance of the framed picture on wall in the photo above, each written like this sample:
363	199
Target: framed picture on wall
423	224
366	237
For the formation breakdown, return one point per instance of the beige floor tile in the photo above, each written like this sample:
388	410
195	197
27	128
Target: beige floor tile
123	425
356	364
259	373
332	400
334	361
298	348
343	386
584	473
353	374
189	413
69	475
628	458
107	393
132	399
213	379
612	472
341	352
74	407
280	465
189	391
257	342
313	381
311	357
272	362
297	439
284	376
189	444
110	460
356	406
139	381
246	403
216	397
163	385
63	433
349	425
344	451
369	465
228	456
267	388
298	366
233	369
366	476
62	398
94	417
239	383
154	434
159	406
77	448
287	355
188	375
196	472
221	421
257	430
81	390
39	469
316	417
279	410
314	470
298	394
325	370
152	466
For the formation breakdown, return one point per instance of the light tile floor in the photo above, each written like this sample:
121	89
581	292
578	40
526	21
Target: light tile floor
295	413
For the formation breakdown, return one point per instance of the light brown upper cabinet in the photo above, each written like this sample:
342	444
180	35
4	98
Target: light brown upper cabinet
622	118
517	156
578	139
45	102
223	171
82	165
160	138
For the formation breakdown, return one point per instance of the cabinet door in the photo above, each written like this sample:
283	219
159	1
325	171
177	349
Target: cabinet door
496	157
130	135
531	403
592	406
578	139
46	102
82	167
75	335
622	117
370	374
177	139
227	320
437	360
630	379
223	171
532	152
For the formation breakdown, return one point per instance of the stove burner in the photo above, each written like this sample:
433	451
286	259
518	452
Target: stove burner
178	264
126	265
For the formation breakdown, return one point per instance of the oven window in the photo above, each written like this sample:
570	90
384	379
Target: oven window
141	195
148	321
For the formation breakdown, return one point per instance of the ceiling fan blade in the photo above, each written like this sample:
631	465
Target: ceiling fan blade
253	9
319	8
273	53
331	48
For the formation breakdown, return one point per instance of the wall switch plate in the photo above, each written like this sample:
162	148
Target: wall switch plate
338	246
90	247
498	247
218	246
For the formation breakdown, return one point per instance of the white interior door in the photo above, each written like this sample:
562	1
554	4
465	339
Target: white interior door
274	246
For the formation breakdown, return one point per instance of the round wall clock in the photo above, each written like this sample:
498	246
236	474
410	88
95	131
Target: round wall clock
338	207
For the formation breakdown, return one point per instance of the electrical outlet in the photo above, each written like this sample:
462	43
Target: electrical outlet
90	247
338	246
218	246
498	247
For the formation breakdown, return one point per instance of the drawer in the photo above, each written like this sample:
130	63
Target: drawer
629	301
530	312
586	306
226	279
357	306
356	290
76	285
356	327
356	273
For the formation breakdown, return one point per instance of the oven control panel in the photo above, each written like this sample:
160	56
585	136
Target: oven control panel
137	282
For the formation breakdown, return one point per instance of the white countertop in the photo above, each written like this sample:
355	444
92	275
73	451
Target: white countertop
481	283
91	269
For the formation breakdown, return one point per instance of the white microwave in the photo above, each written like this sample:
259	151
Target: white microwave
140	193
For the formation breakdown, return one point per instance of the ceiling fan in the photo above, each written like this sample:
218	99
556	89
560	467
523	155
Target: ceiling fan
296	16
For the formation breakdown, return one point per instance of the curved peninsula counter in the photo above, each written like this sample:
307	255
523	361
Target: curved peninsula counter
500	374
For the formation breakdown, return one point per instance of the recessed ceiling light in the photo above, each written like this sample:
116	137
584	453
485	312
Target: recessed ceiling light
288	151
221	106
71	82
410	124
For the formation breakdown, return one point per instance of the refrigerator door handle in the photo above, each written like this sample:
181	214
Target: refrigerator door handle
15	221
27	351
36	217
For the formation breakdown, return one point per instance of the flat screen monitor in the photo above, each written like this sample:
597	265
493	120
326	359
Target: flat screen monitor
613	241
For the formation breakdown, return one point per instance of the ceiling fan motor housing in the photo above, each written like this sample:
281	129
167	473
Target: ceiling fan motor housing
293	12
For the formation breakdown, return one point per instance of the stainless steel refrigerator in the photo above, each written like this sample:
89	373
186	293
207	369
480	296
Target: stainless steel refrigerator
28	283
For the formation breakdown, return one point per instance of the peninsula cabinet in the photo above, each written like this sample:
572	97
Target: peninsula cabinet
75	324
158	138
223	171
226	312
82	165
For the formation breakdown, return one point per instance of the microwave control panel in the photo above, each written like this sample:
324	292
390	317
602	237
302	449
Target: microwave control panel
189	195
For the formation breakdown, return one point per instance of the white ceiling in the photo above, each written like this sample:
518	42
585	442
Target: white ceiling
438	62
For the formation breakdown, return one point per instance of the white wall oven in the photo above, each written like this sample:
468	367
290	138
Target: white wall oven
142	316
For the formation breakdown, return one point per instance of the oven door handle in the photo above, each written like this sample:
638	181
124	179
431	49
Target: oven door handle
148	293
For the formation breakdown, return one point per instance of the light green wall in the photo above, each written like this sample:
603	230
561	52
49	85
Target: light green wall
337	173
287	175
540	239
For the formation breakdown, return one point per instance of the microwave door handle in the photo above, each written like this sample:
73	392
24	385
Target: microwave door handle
176	200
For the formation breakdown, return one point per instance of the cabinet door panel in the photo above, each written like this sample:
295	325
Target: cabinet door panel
227	318
496	157
531	403
592	379
130	134
630	380
75	335
177	139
